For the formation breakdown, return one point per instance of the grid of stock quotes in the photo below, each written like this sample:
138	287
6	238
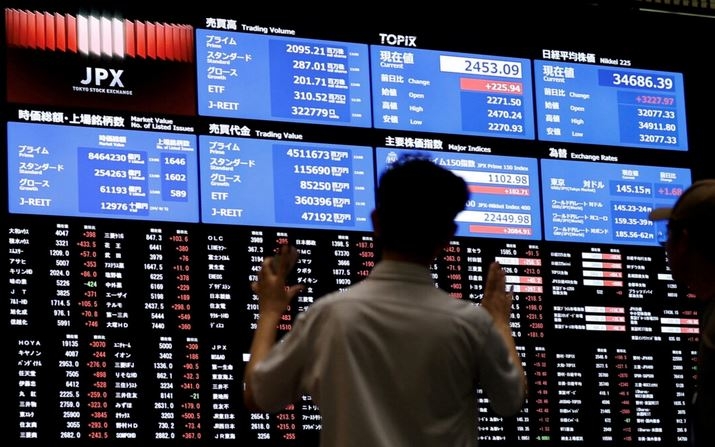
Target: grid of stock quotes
151	165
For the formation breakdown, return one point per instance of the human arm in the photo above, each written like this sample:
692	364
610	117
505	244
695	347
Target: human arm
497	301
273	299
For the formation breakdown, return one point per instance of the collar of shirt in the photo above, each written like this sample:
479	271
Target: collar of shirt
393	270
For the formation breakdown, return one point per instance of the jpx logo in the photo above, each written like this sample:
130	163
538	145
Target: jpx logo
97	76
398	39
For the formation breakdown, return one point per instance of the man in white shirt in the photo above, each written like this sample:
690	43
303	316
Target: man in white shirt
392	360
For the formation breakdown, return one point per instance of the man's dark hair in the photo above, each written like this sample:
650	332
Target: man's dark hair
417	201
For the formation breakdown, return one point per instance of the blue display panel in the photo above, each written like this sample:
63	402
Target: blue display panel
439	91
607	203
257	76
91	172
504	201
595	104
271	183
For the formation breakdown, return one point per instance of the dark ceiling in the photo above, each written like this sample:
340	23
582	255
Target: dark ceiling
698	7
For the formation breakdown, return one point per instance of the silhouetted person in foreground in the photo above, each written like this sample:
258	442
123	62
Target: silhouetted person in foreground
690	247
392	360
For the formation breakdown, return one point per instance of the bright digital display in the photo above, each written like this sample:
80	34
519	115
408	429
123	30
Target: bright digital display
434	91
595	104
271	183
242	75
110	173
606	203
154	159
505	200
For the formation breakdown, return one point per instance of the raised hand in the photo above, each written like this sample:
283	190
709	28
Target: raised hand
273	293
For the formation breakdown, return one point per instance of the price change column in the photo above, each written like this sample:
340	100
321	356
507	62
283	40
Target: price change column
243	249
459	270
522	264
187	349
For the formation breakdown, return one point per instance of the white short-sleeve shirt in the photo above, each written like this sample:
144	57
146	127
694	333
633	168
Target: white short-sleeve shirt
392	361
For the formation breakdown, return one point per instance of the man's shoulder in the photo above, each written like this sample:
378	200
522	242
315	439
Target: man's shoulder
329	299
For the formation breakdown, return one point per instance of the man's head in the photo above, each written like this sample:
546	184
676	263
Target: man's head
691	230
417	201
